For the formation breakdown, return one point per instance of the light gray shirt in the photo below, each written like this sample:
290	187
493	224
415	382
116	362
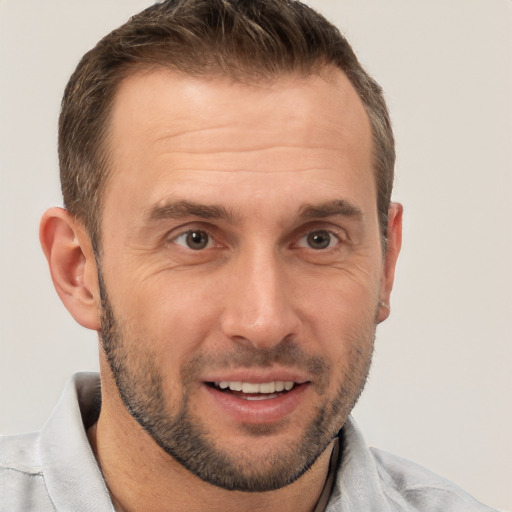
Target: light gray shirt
55	469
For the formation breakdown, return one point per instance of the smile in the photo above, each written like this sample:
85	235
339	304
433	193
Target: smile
250	402
255	391
251	387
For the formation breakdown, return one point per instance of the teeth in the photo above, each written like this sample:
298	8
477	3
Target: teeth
247	387
234	386
254	398
267	387
251	387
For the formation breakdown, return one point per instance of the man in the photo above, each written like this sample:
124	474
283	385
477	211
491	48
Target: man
227	170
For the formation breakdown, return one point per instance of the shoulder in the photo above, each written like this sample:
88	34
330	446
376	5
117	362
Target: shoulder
55	469
420	487
371	479
22	485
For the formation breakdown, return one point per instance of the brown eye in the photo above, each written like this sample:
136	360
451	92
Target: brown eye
194	239
318	240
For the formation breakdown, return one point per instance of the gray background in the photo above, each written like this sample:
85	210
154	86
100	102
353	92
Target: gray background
440	388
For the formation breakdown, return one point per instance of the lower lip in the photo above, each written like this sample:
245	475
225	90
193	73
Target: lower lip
257	411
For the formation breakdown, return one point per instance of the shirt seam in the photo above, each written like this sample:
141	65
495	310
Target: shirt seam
23	471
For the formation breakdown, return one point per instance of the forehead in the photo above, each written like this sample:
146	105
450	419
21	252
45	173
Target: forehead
169	131
155	106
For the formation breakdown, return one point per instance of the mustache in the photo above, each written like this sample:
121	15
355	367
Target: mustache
245	355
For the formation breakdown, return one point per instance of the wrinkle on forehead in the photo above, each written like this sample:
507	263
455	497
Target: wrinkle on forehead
273	161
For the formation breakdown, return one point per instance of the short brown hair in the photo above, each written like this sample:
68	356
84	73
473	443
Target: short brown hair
241	39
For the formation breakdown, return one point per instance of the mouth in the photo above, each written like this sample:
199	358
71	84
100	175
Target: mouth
253	391
256	399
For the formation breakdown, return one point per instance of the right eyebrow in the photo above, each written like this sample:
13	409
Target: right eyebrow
181	209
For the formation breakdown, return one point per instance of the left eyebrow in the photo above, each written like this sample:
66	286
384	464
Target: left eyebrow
329	209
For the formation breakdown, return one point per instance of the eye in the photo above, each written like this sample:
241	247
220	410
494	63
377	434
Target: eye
319	240
194	239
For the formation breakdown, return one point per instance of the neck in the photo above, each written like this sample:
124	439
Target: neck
141	476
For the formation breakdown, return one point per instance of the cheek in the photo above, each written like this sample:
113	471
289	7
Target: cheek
340	312
172	314
348	293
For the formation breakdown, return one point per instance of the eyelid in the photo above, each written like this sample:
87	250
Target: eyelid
339	232
209	245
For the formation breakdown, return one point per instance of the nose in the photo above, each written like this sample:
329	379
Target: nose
259	301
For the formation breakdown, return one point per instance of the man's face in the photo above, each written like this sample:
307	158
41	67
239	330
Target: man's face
241	257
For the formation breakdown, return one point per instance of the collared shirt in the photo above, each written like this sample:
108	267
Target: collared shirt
55	469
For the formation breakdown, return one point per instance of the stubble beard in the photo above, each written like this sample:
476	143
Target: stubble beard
187	440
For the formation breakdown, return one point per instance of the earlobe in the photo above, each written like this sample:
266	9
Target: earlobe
68	250
394	243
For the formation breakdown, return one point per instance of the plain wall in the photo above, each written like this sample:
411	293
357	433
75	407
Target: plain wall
440	387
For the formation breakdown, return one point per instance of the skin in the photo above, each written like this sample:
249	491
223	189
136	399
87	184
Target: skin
276	160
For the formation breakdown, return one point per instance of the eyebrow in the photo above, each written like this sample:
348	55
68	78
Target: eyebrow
181	209
331	208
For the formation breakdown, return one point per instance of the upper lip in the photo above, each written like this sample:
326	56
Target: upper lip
257	376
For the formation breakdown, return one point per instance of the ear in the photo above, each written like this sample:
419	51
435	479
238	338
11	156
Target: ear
393	245
68	249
